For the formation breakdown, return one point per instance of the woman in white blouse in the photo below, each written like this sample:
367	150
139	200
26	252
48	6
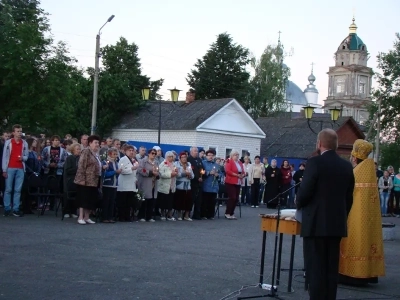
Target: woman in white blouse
256	177
126	190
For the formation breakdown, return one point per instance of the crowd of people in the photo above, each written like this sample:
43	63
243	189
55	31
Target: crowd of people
126	183
341	203
121	181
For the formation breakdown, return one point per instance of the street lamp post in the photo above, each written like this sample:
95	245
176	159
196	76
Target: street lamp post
174	98
309	111
96	78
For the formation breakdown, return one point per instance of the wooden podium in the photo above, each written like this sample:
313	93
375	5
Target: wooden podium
285	226
289	227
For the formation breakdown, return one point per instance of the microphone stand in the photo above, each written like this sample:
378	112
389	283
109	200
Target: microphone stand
272	292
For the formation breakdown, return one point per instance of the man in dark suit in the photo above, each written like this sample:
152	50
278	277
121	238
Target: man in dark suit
325	197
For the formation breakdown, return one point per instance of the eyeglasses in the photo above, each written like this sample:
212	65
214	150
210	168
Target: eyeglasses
154	153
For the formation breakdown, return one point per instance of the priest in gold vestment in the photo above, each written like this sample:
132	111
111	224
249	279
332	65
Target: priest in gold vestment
361	253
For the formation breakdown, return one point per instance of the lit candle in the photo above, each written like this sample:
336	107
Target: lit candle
108	162
202	172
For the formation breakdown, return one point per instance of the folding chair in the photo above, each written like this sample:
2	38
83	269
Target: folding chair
36	187
222	197
52	189
218	202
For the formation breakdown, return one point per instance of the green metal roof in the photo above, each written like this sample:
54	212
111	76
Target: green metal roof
355	42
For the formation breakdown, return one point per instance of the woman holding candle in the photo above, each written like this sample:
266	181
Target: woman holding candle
126	189
167	186
286	181
70	169
255	178
32	168
110	183
298	176
88	180
148	184
246	197
210	186
273	178
183	196
235	173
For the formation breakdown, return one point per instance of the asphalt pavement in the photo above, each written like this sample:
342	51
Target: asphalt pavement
46	258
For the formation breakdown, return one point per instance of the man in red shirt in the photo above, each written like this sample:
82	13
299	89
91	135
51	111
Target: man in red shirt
15	153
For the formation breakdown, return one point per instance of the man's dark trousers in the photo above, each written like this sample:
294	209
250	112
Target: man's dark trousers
322	266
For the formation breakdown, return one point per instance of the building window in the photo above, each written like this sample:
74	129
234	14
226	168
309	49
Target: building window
361	88
227	151
344	47
342	63
340	85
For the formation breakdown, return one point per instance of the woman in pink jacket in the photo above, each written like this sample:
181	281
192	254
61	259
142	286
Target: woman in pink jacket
235	173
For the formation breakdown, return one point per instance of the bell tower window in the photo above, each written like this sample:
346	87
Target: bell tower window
340	86
342	63
361	88
344	47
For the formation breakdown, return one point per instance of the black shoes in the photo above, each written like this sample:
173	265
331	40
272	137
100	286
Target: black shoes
16	214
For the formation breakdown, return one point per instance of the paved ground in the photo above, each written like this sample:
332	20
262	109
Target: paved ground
45	258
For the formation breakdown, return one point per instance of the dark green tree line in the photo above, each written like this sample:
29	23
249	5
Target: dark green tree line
41	86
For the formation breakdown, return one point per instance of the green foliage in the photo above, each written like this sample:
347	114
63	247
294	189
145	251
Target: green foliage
42	89
268	85
389	90
120	84
221	73
390	155
24	48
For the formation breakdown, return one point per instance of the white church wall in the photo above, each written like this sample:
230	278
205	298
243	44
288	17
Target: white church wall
312	98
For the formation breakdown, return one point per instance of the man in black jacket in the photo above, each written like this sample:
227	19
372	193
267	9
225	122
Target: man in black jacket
196	183
325	197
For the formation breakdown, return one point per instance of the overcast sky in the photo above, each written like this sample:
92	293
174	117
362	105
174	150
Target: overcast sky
172	34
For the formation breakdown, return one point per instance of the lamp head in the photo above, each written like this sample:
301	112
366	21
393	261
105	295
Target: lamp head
308	111
110	18
174	94
146	93
335	113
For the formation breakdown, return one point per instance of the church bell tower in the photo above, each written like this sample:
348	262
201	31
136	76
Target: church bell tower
350	79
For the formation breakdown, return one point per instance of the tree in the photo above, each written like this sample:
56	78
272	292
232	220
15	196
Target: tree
390	155
120	84
221	73
389	91
63	93
268	85
24	47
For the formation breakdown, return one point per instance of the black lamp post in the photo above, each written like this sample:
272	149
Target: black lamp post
174	97
309	111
